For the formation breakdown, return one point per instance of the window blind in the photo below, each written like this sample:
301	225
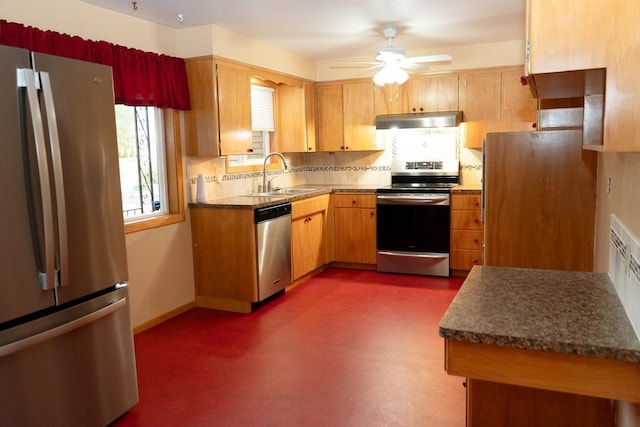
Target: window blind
262	117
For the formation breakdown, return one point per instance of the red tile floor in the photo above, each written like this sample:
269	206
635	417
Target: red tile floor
345	348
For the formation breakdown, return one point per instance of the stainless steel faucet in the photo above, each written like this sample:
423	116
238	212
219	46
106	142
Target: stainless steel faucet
264	168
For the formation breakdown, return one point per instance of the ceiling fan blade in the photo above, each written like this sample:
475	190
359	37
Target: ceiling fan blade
355	64
428	58
413	66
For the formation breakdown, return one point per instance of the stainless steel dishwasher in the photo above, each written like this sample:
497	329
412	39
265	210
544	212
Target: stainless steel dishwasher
273	243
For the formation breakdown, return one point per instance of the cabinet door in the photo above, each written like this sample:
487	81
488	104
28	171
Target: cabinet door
310	116
291	132
358	116
480	96
201	122
234	105
296	111
437	93
330	123
566	35
224	254
390	98
307	243
355	235
518	107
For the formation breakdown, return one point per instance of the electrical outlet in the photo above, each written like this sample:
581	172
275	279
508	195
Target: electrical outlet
609	186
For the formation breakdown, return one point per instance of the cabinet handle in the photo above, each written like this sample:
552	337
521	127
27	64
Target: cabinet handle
346	147
353	202
372	213
250	150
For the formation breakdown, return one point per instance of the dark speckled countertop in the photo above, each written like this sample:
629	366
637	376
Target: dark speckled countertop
252	202
546	310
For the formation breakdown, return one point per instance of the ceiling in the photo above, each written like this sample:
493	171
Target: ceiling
330	29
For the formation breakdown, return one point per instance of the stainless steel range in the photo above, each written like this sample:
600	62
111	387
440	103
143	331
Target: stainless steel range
414	218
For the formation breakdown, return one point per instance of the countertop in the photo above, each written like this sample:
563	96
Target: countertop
466	189
547	310
252	202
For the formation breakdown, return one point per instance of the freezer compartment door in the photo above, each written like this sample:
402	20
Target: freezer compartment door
73	368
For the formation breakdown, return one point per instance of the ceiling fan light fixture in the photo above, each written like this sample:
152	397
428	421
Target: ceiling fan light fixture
390	74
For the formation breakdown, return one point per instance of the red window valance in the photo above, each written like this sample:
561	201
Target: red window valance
139	78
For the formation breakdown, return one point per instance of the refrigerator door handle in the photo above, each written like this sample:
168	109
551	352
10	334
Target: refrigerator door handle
58	180
27	79
65	328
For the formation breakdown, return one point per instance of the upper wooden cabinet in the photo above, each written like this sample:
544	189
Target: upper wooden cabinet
330	121
234	108
518	107
480	99
433	93
565	35
494	101
219	122
346	116
418	94
296	118
201	122
570	45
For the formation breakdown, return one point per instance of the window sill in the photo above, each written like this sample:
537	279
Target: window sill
147	224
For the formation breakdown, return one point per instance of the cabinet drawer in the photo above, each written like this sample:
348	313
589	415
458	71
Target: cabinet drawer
354	200
465	201
463	259
309	206
466	239
466	220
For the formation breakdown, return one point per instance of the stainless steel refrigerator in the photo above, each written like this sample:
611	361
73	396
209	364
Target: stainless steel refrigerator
66	343
539	200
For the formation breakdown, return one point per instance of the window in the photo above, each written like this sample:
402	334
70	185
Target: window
141	156
262	124
150	166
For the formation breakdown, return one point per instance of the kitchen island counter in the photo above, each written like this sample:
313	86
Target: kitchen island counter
553	330
549	310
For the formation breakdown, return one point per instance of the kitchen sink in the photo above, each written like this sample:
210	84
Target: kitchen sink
282	193
293	191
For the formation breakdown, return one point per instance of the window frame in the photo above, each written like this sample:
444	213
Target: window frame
172	144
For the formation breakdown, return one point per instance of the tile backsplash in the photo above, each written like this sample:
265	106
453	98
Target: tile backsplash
355	167
624	269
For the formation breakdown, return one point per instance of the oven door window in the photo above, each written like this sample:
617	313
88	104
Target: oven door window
413	228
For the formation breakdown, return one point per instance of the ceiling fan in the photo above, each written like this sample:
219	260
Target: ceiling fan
393	62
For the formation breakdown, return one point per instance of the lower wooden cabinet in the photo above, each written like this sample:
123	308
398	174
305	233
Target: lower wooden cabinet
492	404
309	225
354	217
467	233
224	251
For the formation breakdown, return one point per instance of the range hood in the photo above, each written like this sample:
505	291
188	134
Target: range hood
438	119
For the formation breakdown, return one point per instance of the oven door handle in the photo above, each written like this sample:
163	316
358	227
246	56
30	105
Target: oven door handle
412	200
